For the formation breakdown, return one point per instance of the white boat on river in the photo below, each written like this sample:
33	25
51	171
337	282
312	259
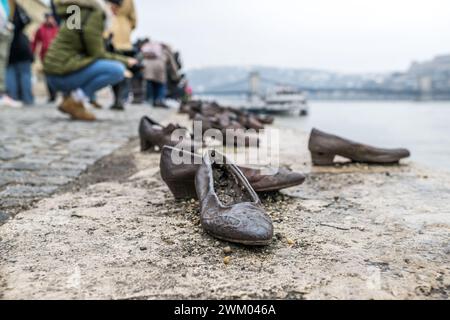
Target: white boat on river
281	101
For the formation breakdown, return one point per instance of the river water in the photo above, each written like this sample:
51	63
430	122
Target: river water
422	127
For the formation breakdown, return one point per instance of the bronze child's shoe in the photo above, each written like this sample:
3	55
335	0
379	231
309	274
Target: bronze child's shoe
178	169
230	208
324	147
76	110
153	135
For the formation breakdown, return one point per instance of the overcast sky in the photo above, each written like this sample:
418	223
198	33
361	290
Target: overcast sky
341	35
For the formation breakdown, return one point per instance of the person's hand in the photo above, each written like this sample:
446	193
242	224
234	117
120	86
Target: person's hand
128	74
132	62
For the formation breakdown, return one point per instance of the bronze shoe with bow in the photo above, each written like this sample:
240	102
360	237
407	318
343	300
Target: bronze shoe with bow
230	208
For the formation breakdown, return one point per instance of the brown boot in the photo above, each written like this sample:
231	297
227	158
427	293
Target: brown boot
76	110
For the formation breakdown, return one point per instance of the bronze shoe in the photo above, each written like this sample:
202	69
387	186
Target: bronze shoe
207	123
324	147
180	175
241	138
189	106
250	122
227	120
211	109
153	135
230	208
266	119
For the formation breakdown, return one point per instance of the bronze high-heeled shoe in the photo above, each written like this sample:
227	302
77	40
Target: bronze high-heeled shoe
153	135
324	147
230	208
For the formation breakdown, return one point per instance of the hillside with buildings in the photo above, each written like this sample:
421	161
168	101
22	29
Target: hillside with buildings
423	80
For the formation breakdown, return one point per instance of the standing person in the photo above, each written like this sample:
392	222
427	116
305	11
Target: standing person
54	14
18	74
173	66
77	62
138	81
42	39
155	73
123	24
6	35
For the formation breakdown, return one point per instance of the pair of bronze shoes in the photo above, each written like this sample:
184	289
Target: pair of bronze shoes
230	207
324	147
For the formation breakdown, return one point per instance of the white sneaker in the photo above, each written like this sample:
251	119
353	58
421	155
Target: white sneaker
7	101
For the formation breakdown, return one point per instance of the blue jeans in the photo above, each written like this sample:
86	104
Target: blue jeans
18	82
156	91
100	74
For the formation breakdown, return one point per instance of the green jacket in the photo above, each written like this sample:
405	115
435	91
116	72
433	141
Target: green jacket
72	50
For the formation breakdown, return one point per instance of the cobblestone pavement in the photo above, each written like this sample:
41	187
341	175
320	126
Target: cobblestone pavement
42	150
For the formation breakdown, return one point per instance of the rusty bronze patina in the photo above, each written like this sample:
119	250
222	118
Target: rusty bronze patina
324	147
230	208
180	177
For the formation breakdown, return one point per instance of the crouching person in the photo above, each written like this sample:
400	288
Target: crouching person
77	63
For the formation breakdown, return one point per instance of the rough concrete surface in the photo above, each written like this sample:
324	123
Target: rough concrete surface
350	232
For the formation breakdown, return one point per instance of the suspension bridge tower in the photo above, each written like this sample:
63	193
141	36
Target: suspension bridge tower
254	85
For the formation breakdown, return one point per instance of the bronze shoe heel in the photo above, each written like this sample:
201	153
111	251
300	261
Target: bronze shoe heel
182	189
180	178
322	159
146	145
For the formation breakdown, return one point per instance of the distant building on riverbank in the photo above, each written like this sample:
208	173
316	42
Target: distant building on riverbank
432	76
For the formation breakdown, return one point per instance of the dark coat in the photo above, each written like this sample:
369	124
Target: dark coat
20	47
